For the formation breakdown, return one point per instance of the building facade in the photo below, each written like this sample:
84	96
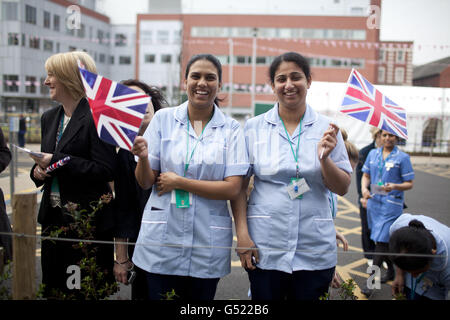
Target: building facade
247	44
31	31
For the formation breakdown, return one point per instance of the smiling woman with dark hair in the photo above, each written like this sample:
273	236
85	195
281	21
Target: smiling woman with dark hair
193	156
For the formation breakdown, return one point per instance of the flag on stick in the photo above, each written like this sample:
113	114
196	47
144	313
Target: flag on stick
364	102
117	110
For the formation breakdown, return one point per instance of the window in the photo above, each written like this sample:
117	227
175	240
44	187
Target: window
34	42
357	11
166	58
56	22
30	14
124	60
102	58
149	58
241	60
24	39
44	88
111	59
381	74
120	40
146	36
261	60
48	45
72	48
13	39
30	84
381	55
47	19
82	31
162	36
10	11
399	75
10	83
100	36
176	36
400	57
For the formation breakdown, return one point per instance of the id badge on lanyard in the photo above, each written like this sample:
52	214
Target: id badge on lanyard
297	188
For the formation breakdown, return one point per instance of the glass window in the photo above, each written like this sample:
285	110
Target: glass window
47	19
34	42
166	58
111	59
82	31
102	58
56	20
13	39
124	60
44	88
48	45
381	74
241	59
100	36
10	83
10	11
120	40
261	60
150	58
147	36
400	56
30	14
30	85
399	75
162	36
223	59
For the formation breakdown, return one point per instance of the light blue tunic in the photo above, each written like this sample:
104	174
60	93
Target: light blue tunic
187	234
436	282
294	234
383	210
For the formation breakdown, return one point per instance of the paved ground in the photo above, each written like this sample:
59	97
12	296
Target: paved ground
351	264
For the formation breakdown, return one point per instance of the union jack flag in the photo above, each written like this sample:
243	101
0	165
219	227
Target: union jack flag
117	110
364	102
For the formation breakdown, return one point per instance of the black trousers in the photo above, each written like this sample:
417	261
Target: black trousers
382	247
139	289
185	288
300	285
368	244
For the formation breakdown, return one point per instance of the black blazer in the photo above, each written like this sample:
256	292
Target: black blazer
130	198
85	177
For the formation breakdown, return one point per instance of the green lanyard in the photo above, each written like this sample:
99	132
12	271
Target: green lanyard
298	145
186	166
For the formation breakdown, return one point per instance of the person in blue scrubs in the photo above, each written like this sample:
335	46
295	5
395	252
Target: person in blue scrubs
388	172
286	230
420	277
194	158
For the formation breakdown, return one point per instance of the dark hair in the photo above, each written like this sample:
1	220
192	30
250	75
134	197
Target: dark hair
157	98
294	57
210	58
414	238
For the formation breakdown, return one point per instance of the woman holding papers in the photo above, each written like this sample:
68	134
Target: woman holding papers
296	156
68	130
388	172
194	157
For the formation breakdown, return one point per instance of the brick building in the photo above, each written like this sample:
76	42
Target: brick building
333	44
433	74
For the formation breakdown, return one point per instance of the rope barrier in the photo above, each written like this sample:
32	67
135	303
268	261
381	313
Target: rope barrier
155	244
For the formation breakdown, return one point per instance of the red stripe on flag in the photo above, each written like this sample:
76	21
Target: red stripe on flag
120	135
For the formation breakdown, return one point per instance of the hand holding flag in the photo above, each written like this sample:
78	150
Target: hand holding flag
364	102
117	110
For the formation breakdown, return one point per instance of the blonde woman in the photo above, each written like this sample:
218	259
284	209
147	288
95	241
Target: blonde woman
69	130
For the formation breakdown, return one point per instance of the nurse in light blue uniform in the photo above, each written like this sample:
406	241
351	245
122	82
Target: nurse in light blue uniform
389	170
293	230
200	157
423	277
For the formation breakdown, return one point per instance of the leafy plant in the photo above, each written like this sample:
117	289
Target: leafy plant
5	277
170	295
94	284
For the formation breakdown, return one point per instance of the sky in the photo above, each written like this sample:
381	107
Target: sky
426	22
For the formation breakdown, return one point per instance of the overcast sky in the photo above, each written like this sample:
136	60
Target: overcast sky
426	22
